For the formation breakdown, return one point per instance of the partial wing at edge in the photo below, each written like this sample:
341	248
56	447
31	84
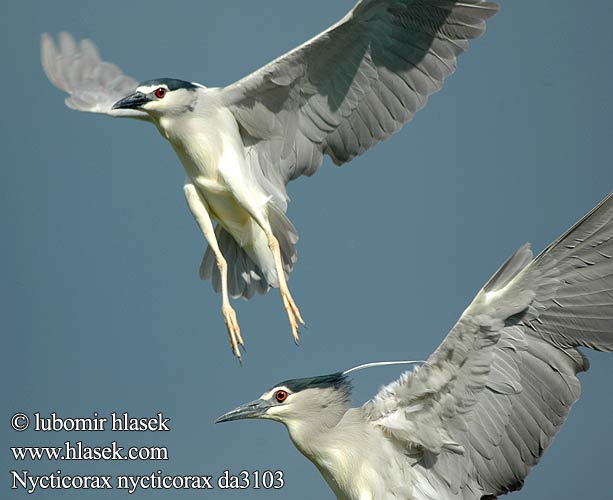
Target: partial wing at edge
497	390
94	85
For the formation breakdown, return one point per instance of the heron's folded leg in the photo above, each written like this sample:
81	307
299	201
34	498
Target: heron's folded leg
258	213
288	302
198	209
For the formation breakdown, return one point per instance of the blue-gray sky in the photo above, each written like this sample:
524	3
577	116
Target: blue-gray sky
102	308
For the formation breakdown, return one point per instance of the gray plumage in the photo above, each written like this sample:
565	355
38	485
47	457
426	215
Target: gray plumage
351	86
474	420
93	85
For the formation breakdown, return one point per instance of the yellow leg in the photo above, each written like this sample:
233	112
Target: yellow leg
291	308
198	209
259	214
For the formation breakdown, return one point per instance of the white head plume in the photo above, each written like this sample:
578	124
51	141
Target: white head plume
383	363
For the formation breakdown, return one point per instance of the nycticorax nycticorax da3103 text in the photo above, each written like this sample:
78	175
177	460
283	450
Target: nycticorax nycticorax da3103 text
338	95
475	418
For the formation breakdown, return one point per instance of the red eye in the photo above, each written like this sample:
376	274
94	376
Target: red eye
280	396
160	93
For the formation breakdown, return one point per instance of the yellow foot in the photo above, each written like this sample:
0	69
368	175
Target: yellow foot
292	312
234	331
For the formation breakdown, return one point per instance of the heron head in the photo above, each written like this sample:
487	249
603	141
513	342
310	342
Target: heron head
162	97
298	400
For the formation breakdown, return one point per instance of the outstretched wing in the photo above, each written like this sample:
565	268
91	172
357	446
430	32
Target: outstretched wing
478	416
94	85
352	86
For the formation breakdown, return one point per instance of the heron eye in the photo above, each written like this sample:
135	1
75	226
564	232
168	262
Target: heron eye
280	396
160	93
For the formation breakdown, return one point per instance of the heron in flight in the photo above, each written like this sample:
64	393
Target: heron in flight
338	94
475	418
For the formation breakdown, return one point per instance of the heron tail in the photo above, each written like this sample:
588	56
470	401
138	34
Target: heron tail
245	278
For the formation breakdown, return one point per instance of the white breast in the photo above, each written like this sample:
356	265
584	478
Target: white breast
210	147
373	469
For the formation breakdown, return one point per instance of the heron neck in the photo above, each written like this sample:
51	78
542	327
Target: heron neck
308	433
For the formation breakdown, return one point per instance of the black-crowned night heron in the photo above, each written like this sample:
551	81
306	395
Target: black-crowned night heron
338	94
476	417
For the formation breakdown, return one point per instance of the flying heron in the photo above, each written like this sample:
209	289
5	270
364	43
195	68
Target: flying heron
475	418
338	94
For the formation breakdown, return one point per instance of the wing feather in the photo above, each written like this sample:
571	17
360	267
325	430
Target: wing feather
352	86
93	85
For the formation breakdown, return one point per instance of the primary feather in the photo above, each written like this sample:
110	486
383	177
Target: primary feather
93	85
352	86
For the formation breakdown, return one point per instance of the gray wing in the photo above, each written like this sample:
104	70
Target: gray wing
479	415
94	85
352	86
